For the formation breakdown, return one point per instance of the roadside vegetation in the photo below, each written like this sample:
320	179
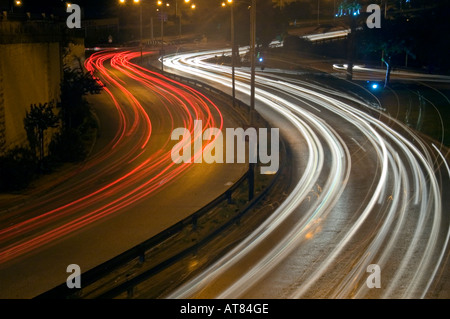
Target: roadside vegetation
69	123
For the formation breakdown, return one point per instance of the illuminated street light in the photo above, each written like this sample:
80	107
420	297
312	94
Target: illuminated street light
252	56
16	3
160	3
233	50
179	14
137	2
252	8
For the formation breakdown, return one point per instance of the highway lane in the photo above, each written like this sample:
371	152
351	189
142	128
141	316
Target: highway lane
378	74
368	191
126	192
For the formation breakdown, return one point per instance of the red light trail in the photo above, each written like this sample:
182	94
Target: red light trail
142	171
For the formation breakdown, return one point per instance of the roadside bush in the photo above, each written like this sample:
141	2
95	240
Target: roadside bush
18	167
67	146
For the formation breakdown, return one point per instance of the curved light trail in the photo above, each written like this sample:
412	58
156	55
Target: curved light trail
370	191
404	75
132	167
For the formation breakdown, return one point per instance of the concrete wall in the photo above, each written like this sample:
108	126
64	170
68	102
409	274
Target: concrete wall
30	73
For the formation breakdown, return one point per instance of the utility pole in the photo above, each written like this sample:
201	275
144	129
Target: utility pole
252	57
151	27
351	47
140	24
233	55
162	41
251	174
318	12
140	28
178	17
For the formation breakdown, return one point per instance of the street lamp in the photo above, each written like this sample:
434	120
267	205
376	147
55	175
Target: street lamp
252	54
162	17
233	50
140	23
160	3
16	3
251	171
178	15
252	58
137	2
318	12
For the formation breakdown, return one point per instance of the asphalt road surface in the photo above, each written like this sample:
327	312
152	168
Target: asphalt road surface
367	216
128	190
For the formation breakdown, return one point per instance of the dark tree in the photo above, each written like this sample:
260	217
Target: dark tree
297	10
393	40
350	15
267	24
36	122
75	84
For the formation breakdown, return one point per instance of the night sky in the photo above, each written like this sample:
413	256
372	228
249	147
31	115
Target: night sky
91	8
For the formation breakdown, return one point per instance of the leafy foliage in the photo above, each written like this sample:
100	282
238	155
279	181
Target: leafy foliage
67	146
17	169
36	122
75	84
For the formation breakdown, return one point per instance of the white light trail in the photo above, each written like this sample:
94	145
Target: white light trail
405	192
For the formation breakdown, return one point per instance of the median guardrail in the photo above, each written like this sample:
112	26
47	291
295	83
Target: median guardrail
138	252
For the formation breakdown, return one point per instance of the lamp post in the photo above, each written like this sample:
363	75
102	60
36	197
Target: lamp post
252	54
140	23
180	14
251	171
162	18
233	53
318	12
137	2
252	58
15	3
233	50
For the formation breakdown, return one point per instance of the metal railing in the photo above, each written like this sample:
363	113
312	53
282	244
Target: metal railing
138	252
